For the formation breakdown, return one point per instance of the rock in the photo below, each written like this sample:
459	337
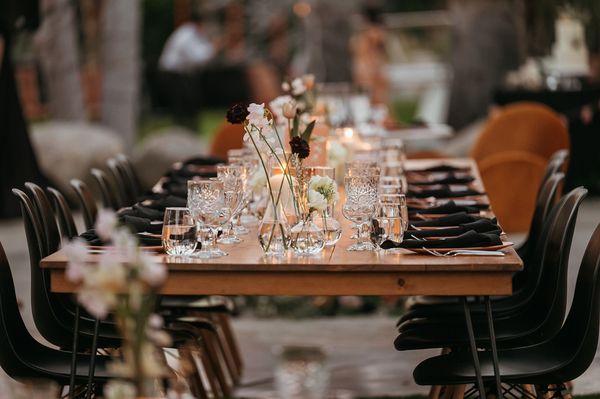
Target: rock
69	149
155	154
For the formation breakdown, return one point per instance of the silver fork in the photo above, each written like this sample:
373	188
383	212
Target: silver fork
459	252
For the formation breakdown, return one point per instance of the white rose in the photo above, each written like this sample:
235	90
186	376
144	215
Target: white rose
298	87
316	201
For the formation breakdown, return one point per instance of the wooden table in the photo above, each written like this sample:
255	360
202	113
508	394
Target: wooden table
333	272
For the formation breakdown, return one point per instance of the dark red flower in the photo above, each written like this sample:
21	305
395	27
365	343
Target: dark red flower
300	147
237	113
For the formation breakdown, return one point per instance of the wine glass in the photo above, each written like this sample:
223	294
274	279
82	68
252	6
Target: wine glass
206	201
179	232
232	177
361	200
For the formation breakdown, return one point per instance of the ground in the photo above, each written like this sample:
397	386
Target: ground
360	351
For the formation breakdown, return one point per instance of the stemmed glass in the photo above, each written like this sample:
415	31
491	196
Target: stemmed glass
361	201
206	201
232	177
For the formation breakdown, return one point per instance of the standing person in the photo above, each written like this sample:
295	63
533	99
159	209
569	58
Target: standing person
186	52
369	56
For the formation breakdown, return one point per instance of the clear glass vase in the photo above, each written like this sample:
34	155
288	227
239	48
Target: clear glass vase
274	231
332	229
306	236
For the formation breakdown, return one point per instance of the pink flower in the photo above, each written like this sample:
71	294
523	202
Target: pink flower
105	224
151	272
97	303
76	252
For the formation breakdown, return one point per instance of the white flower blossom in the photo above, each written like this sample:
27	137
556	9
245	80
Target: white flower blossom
117	389
285	86
326	186
106	223
151	272
298	87
258	181
97	302
76	252
277	105
316	201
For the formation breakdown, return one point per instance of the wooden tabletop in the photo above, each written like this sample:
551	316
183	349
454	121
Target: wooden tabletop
335	271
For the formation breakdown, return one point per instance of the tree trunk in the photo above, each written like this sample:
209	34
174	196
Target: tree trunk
487	42
57	48
121	67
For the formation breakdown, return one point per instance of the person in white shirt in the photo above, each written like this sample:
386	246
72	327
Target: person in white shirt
187	49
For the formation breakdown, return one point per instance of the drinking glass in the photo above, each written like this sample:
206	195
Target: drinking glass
233	177
388	223
392	168
206	201
179	232
400	200
361	200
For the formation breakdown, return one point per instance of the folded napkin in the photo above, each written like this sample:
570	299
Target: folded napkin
444	209
469	239
165	202
442	168
188	171
140	225
203	160
144	240
141	211
442	193
450	178
454	219
176	189
479	226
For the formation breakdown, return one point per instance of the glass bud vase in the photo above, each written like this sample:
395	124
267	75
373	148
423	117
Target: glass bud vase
274	231
306	236
332	229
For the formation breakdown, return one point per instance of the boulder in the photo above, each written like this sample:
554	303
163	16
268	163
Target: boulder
161	149
69	149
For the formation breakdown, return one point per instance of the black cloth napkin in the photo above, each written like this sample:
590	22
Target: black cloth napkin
444	209
442	193
442	168
454	219
140	225
203	160
92	238
165	202
141	211
450	178
176	189
479	226
469	239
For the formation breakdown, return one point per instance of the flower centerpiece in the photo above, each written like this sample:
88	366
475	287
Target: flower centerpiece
322	196
125	281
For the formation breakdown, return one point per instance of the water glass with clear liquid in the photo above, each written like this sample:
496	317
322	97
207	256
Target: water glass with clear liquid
179	232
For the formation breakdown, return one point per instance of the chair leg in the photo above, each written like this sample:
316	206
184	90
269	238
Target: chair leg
209	340
458	392
190	370
436	390
225	322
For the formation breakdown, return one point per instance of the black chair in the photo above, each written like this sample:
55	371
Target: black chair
120	182
130	175
108	191
532	269
24	358
560	358
66	223
54	314
87	203
529	316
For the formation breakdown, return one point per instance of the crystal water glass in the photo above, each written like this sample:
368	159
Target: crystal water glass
179	232
400	200
388	223
233	177
361	201
206	201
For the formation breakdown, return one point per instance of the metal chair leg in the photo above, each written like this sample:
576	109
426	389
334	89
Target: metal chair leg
490	320
473	346
74	354
92	360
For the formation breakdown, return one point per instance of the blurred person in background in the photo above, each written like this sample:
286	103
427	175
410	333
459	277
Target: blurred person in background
187	51
369	55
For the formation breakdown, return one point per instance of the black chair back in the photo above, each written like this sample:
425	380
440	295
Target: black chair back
66	223
578	339
125	193
132	178
50	318
108	191
549	298
86	202
42	207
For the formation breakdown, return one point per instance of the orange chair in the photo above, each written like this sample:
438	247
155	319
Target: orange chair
524	126
227	137
511	180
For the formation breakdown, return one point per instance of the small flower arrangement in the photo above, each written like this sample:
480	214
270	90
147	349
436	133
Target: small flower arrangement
322	192
125	281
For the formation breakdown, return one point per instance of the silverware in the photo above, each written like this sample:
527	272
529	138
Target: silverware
464	252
